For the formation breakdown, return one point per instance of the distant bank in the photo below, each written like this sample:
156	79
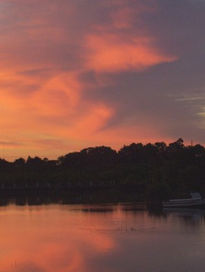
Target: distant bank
142	172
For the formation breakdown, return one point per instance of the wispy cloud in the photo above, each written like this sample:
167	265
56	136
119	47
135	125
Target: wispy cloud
81	71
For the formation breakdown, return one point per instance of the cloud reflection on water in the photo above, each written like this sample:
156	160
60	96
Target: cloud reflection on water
83	238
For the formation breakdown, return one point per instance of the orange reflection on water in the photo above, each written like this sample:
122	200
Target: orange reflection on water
50	239
66	238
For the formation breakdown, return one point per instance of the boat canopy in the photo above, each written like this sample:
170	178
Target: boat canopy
196	196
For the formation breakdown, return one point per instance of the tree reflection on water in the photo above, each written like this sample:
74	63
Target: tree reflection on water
99	238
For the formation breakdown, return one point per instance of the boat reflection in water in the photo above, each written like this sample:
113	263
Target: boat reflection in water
189	217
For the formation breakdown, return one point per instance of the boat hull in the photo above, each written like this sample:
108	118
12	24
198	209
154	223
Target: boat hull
191	204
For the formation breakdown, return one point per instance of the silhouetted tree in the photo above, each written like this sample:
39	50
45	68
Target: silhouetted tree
155	171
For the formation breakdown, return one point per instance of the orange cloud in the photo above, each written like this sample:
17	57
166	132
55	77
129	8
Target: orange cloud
124	15
112	53
46	49
60	95
95	118
55	113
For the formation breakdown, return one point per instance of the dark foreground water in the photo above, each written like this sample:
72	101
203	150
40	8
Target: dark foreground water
65	238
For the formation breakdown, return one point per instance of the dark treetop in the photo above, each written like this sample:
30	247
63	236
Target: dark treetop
151	171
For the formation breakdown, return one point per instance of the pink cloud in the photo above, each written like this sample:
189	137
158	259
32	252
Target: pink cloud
45	48
112	53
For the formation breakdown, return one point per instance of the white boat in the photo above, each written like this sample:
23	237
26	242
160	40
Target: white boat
196	201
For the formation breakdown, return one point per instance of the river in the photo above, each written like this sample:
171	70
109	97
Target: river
100	238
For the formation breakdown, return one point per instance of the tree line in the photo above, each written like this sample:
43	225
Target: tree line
146	171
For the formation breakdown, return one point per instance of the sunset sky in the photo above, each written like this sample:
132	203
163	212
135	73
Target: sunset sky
79	73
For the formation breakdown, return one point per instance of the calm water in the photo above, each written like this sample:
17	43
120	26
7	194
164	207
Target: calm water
77	238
